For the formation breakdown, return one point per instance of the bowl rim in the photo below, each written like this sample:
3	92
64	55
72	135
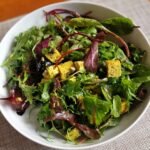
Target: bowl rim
88	146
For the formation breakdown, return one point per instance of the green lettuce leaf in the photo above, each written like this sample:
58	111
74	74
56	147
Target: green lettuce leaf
84	22
111	122
44	112
119	25
95	109
22	50
106	91
72	89
116	106
44	89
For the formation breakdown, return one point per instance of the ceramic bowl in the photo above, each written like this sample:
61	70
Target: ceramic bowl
28	127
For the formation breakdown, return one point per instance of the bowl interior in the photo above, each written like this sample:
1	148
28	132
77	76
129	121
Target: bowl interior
28	126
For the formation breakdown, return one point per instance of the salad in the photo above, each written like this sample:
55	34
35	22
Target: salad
78	71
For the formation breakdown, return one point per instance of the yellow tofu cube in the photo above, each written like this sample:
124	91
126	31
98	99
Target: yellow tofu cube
79	65
53	56
65	69
124	107
50	72
113	68
73	134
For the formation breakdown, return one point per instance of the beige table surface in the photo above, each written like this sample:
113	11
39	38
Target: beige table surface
138	138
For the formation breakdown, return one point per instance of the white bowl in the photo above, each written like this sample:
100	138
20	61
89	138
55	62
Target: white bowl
23	124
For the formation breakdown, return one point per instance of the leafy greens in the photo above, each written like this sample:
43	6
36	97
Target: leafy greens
81	81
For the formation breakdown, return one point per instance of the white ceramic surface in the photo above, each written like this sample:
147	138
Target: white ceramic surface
26	126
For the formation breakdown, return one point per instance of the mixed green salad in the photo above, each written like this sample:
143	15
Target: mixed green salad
78	71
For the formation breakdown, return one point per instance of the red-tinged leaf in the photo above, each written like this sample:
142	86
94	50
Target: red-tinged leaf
21	110
41	45
89	132
55	104
60	11
91	59
57	84
62	116
82	139
17	100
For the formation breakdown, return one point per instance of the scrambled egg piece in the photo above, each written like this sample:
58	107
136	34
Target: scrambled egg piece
53	56
73	134
113	68
50	72
65	69
79	65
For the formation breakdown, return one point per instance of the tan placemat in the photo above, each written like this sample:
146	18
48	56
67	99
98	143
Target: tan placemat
138	138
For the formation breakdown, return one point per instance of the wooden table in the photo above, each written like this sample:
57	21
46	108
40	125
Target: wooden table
13	8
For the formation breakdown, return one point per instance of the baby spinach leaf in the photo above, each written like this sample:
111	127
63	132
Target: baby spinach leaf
119	25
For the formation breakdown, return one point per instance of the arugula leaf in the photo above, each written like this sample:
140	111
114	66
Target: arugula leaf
95	109
119	25
116	106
